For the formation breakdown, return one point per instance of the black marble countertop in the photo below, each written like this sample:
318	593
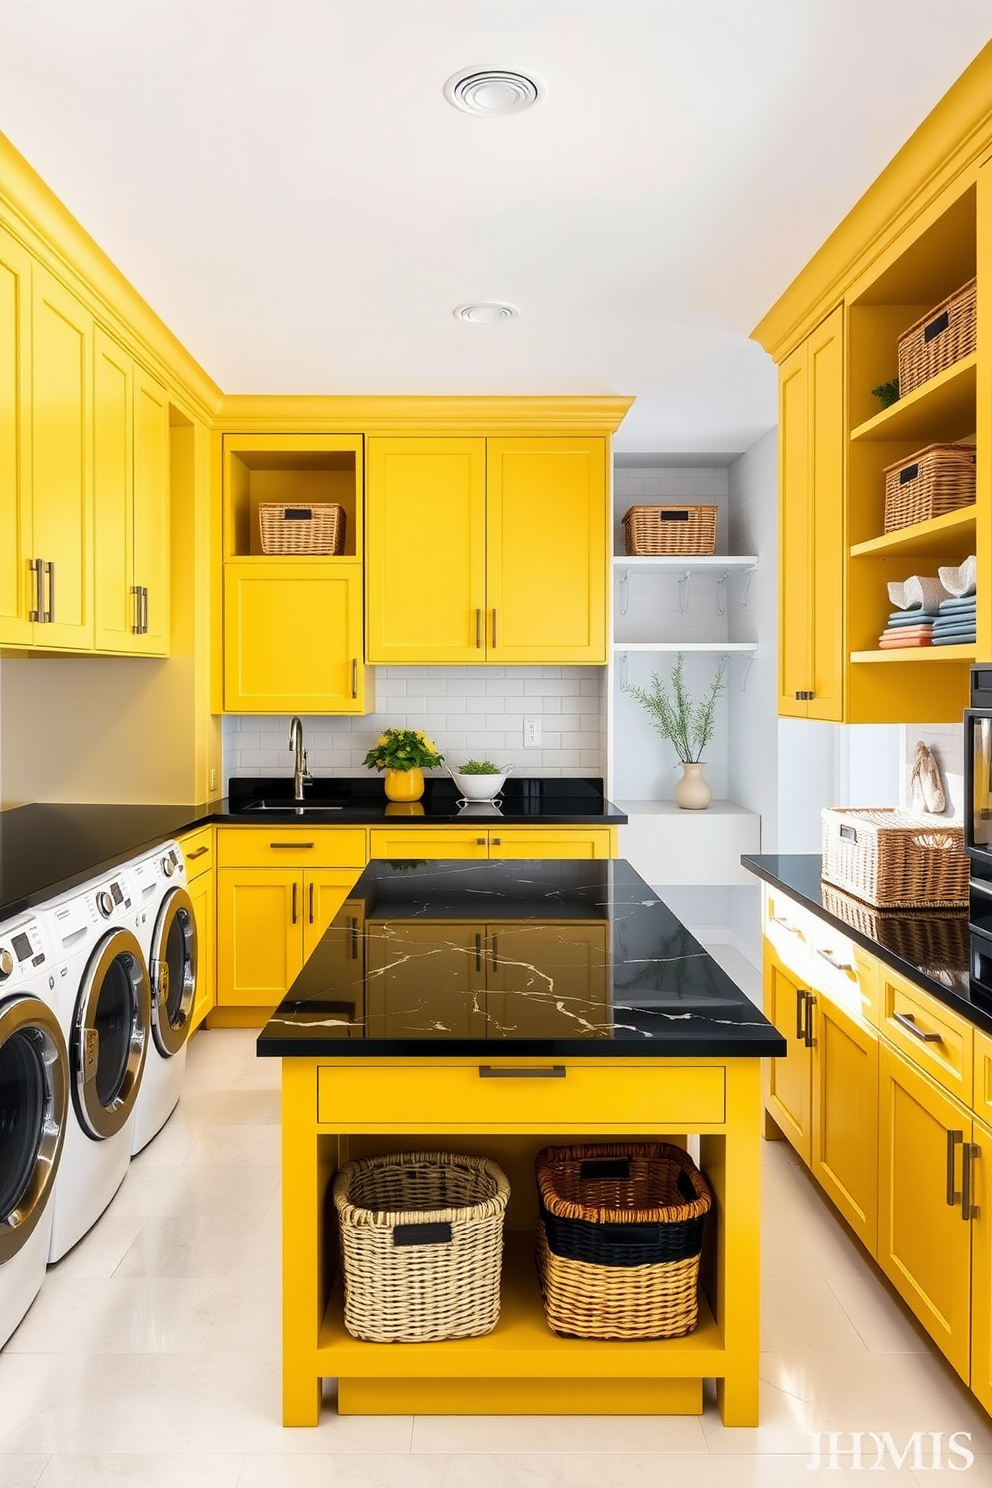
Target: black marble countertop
927	946
512	958
46	850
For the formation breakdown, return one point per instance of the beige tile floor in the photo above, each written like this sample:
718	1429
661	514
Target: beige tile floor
151	1357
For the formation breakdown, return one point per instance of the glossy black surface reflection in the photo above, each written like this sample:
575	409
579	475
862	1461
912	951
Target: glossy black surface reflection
531	957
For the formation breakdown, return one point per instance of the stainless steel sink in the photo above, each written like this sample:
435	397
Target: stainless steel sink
294	808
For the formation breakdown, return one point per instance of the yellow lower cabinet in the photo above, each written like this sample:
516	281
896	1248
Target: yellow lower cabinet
259	935
844	1127
788	1081
427	842
980	1179
293	636
563	842
924	1247
201	893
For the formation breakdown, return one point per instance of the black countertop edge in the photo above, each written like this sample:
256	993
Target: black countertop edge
695	1046
47	849
799	876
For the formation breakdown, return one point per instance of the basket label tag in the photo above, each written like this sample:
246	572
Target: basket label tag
298	514
422	1234
849	834
674	516
938	324
605	1167
909	474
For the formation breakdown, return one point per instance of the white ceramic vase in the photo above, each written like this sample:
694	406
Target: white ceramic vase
692	792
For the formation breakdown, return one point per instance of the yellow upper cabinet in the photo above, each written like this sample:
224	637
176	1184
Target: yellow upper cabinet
811	421
131	504
18	595
487	550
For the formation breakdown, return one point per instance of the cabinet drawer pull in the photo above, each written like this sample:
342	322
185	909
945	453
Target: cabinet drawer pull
299	846
478	630
494	1072
792	929
831	960
969	1151
908	1021
953	1139
311	904
801	996
354	676
497	841
354	939
37	571
197	854
50	613
494	627
295	887
808	1038
478	952
144	621
136	624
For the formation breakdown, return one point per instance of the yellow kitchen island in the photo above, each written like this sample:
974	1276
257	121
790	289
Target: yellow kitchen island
492	1008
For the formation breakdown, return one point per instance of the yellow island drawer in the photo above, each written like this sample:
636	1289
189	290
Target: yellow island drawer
520	1095
291	847
938	1040
428	842
198	851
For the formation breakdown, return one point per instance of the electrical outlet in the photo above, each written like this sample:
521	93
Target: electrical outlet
213	780
532	733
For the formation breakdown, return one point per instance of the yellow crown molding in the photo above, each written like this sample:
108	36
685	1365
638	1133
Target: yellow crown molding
950	143
32	212
399	415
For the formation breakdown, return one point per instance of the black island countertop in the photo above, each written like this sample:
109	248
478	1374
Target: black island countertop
45	850
927	946
455	958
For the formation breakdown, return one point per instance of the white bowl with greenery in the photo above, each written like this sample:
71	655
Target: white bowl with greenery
480	780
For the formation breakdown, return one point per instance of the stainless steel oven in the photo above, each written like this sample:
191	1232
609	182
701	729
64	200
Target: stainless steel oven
978	823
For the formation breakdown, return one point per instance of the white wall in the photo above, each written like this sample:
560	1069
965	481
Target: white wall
946	741
467	711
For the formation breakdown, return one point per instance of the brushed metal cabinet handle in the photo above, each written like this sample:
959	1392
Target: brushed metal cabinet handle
808	1038
354	938
908	1021
300	846
792	929
311	904
295	887
478	952
50	615
136	596
801	996
969	1152
354	676
478	630
494	628
198	854
832	960
37	572
144	617
492	1072
953	1139
497	841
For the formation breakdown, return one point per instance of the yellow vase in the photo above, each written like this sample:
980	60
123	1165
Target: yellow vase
404	785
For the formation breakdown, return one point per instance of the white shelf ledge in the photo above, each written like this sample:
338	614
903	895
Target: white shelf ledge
670	808
678	563
667	845
719	648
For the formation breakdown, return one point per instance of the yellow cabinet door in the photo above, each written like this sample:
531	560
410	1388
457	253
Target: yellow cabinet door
17	592
980	1161
827	450
259	935
427	842
924	1248
324	892
201	893
61	485
426	550
293	636
394	984
151	566
844	1157
546	526
115	605
793	518
788	1081
535	842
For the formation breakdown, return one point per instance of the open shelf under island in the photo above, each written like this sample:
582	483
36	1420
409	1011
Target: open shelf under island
493	1007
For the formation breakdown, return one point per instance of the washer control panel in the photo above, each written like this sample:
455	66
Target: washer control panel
23	949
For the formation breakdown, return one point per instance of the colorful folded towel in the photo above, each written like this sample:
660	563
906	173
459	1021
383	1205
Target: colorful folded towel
955	640
897	643
959	632
906	633
913	617
960	606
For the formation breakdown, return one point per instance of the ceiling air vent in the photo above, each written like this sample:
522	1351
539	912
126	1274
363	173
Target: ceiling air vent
485	312
492	91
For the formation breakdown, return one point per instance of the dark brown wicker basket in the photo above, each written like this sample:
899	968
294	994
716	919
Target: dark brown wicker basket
925	938
619	1239
938	479
938	339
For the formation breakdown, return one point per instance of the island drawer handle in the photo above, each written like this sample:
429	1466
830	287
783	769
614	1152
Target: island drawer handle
198	854
792	929
494	1072
832	960
301	845
907	1021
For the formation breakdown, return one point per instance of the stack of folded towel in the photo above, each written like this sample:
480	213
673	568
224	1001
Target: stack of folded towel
955	625
909	628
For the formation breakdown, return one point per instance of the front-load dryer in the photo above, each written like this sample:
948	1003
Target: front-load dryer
167	935
34	1096
103	1001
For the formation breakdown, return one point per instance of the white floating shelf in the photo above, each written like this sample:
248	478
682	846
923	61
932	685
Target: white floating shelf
667	845
678	563
718	648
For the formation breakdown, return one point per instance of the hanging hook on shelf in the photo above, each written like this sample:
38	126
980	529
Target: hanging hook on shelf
684	591
749	575
623	671
722	666
721	594
624	590
747	668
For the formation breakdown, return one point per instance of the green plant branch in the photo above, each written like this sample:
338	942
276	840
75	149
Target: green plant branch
688	724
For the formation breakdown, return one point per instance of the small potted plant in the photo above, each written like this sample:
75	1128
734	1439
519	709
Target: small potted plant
404	754
480	780
688	724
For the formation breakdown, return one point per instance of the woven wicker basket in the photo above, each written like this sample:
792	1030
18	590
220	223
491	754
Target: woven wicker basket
619	1239
940	338
318	528
924	939
421	1244
659	531
938	479
894	858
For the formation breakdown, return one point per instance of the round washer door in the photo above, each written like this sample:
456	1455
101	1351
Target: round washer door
172	968
34	1101
110	1035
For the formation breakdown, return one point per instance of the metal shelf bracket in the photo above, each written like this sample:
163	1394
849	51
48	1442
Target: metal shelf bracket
684	580
624	586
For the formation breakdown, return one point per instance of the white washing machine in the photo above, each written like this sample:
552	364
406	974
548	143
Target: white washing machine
167	934
34	1099
103	1001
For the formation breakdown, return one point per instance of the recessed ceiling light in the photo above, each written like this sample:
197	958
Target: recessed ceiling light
493	91
485	312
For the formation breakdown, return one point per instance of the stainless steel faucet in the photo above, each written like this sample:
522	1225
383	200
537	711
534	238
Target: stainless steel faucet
300	772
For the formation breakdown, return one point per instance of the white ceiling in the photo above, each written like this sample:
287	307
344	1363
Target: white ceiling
285	183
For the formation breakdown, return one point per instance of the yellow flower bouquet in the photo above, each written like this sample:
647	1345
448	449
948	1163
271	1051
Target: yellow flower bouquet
403	749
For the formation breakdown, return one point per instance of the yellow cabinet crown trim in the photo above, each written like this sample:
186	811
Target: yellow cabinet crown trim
421	415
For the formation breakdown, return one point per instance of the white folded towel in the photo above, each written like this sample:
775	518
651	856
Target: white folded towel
961	580
918	592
